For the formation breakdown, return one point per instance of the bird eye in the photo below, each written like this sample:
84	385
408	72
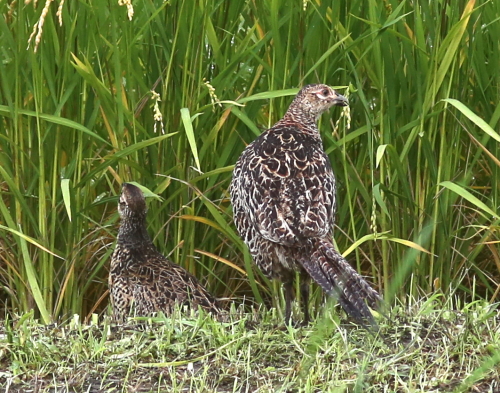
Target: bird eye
325	92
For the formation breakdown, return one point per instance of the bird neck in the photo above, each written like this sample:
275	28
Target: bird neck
133	230
307	121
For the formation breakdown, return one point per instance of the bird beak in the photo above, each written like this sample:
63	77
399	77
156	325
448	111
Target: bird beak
340	100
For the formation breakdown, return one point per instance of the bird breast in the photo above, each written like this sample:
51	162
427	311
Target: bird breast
288	185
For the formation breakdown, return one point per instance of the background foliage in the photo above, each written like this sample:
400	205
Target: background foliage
418	166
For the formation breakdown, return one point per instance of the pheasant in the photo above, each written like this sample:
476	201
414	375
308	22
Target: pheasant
141	279
283	197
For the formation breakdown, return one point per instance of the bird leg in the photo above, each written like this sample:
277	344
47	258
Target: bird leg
288	286
304	298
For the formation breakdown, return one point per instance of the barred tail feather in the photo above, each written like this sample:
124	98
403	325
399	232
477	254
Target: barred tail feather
338	279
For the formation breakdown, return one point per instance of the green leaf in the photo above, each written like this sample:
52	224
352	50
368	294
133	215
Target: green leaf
33	281
188	126
29	240
325	56
380	154
268	95
214	42
30	271
112	158
449	47
383	236
244	118
378	197
4	110
468	196
474	118
393	18
146	191
66	196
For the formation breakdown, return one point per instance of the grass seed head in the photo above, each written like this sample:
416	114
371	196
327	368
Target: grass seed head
211	91
157	115
38	27
130	8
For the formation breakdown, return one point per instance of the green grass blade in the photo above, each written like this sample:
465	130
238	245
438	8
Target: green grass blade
187	121
31	275
29	239
474	118
66	193
4	110
468	196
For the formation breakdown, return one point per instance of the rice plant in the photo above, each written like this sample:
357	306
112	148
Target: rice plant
168	96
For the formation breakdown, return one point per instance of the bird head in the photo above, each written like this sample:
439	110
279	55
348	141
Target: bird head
132	202
312	100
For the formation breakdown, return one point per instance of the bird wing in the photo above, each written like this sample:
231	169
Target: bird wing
120	293
288	186
158	284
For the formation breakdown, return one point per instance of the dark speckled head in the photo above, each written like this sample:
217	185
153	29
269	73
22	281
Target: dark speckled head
313	100
132	201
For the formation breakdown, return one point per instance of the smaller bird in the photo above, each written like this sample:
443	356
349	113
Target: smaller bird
141	280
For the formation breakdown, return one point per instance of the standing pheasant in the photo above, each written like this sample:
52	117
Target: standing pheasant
141	280
283	196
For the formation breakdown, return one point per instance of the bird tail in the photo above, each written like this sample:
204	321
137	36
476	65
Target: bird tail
338	279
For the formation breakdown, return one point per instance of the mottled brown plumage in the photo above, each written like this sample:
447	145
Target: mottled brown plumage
283	196
141	280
